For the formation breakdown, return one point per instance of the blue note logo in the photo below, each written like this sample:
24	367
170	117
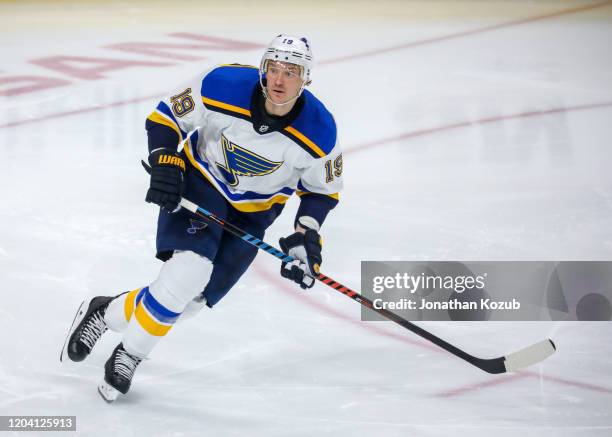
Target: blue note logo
196	225
242	162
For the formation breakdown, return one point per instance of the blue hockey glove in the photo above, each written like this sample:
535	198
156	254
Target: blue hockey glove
306	249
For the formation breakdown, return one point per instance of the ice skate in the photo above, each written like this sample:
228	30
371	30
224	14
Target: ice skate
87	328
118	372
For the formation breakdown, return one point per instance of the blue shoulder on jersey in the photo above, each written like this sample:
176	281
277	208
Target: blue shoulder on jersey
228	89
314	129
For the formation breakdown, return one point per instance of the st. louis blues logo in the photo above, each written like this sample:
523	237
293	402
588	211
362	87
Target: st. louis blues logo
242	162
196	225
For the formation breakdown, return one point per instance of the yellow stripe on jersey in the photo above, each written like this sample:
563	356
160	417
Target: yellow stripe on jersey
305	140
156	117
248	206
149	324
226	106
260	206
335	196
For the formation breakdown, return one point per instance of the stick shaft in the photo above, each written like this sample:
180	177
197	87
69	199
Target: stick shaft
495	365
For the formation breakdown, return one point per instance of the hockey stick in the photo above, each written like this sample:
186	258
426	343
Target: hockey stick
509	363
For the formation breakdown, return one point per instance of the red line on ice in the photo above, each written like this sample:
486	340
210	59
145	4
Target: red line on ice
571	382
516	376
338	59
498	380
486	120
466	33
78	111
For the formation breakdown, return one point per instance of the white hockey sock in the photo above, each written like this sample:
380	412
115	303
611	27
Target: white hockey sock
121	309
155	311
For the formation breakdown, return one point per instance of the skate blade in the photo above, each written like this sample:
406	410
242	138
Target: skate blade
108	392
77	319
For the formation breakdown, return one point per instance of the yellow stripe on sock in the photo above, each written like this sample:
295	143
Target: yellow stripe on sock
149	324
128	305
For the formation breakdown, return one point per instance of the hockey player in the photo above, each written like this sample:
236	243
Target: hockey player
250	138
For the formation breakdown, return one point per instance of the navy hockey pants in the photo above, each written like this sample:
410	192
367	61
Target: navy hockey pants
230	255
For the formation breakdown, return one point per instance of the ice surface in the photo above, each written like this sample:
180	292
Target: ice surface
490	145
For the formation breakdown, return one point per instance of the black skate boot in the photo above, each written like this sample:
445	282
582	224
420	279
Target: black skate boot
87	327
118	372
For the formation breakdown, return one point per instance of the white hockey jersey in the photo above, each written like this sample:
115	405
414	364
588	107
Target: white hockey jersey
253	163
